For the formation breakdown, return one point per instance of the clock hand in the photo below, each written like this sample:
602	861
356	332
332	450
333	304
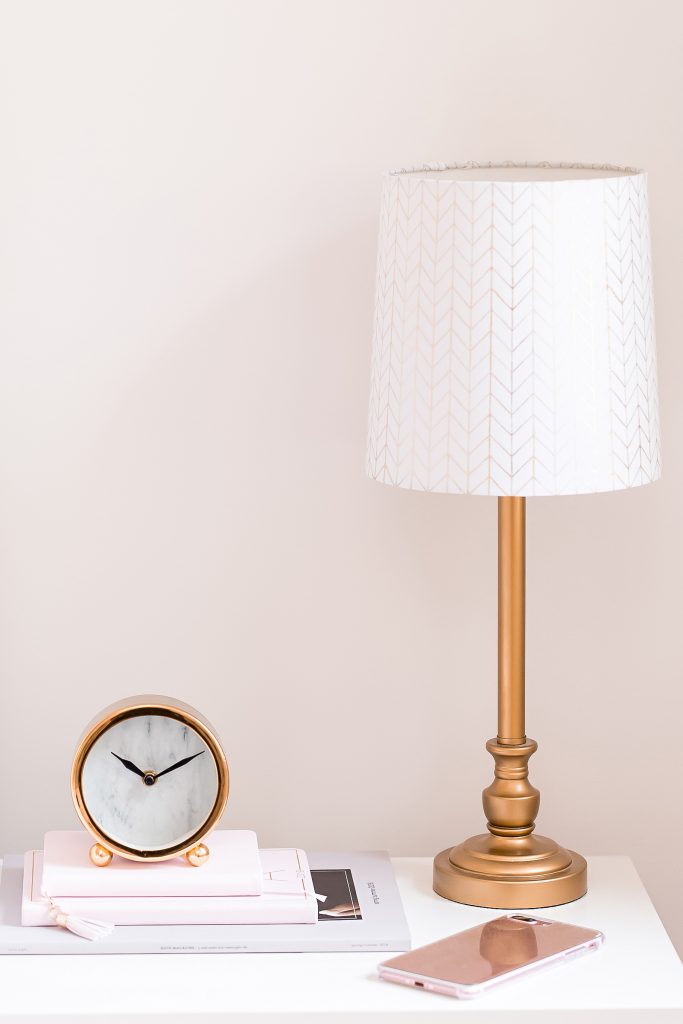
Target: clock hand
178	764
129	765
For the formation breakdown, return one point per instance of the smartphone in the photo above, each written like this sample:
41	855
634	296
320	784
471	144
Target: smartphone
472	962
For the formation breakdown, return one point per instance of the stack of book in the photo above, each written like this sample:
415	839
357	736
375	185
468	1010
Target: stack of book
242	900
238	885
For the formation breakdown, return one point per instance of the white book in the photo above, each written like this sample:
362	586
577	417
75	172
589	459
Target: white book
362	912
287	897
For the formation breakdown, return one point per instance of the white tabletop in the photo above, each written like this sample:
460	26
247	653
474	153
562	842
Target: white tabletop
636	970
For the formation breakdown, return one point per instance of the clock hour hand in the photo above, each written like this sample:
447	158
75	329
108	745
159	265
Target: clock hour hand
178	764
129	765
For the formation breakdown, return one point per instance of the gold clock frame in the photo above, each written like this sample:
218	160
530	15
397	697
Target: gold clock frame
194	849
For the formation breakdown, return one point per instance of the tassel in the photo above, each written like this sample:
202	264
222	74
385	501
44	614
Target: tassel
87	928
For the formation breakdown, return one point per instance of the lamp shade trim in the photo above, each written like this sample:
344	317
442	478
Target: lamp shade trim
590	170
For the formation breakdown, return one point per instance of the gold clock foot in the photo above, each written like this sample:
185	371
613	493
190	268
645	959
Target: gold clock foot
100	856
198	855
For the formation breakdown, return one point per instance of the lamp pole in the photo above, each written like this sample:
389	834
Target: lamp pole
508	866
511	614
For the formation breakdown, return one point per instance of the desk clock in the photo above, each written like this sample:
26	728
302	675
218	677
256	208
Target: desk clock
149	781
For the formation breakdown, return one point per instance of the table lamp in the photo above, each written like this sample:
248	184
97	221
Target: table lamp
513	355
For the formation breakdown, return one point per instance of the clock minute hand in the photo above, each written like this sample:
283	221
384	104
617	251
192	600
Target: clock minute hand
129	765
178	764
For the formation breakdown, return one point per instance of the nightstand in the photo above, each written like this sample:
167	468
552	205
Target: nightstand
636	977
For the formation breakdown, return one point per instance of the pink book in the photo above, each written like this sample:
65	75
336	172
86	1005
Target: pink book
233	869
287	898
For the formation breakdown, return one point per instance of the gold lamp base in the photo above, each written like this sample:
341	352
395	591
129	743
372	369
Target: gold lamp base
510	868
539	873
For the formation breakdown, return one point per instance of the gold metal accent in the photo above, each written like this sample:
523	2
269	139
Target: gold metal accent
510	868
198	856
132	707
511	590
100	855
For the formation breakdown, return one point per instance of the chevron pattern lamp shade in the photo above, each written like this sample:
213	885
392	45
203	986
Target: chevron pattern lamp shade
514	347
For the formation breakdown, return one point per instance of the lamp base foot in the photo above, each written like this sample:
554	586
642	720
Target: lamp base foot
508	873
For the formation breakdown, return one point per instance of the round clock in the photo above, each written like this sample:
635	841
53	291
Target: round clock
149	781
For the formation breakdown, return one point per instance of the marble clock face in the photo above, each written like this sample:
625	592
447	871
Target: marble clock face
149	782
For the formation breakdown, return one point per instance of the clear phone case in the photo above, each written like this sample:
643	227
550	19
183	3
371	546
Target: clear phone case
469	963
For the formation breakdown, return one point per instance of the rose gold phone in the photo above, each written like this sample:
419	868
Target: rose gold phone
473	961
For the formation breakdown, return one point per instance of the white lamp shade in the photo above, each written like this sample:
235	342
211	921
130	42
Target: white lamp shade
514	348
